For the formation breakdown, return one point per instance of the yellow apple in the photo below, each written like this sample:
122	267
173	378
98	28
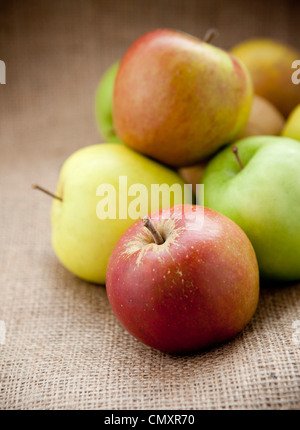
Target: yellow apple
292	125
96	207
270	65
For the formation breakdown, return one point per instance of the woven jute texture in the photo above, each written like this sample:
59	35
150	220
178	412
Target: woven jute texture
61	347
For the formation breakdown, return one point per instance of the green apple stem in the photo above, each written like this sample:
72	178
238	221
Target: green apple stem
210	35
236	153
37	187
153	230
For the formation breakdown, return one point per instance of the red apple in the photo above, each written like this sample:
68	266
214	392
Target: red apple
178	284
179	99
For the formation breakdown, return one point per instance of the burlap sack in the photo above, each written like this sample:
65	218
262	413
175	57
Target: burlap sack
60	345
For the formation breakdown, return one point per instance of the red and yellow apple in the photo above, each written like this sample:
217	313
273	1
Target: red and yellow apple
178	99
183	279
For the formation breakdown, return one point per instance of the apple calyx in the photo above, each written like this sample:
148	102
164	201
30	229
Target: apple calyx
158	239
210	34
37	187
236	153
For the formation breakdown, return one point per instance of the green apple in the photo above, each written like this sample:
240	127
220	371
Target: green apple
179	99
103	105
292	125
263	197
82	239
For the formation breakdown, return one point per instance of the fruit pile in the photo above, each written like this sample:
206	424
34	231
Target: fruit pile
177	110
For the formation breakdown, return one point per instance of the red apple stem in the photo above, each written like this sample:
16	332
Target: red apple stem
153	230
236	153
210	35
37	187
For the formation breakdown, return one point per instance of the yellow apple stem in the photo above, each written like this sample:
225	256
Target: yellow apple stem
153	230
210	35
236	153
37	187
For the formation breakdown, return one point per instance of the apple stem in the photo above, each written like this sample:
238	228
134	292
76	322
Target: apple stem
153	230
37	187
210	35
236	153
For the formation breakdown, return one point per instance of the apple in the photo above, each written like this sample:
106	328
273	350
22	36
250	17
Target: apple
178	99
179	284
270	65
193	174
260	191
264	119
103	105
94	207
292	125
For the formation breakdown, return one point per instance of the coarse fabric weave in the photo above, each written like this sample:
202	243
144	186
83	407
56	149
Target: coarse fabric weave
61	347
